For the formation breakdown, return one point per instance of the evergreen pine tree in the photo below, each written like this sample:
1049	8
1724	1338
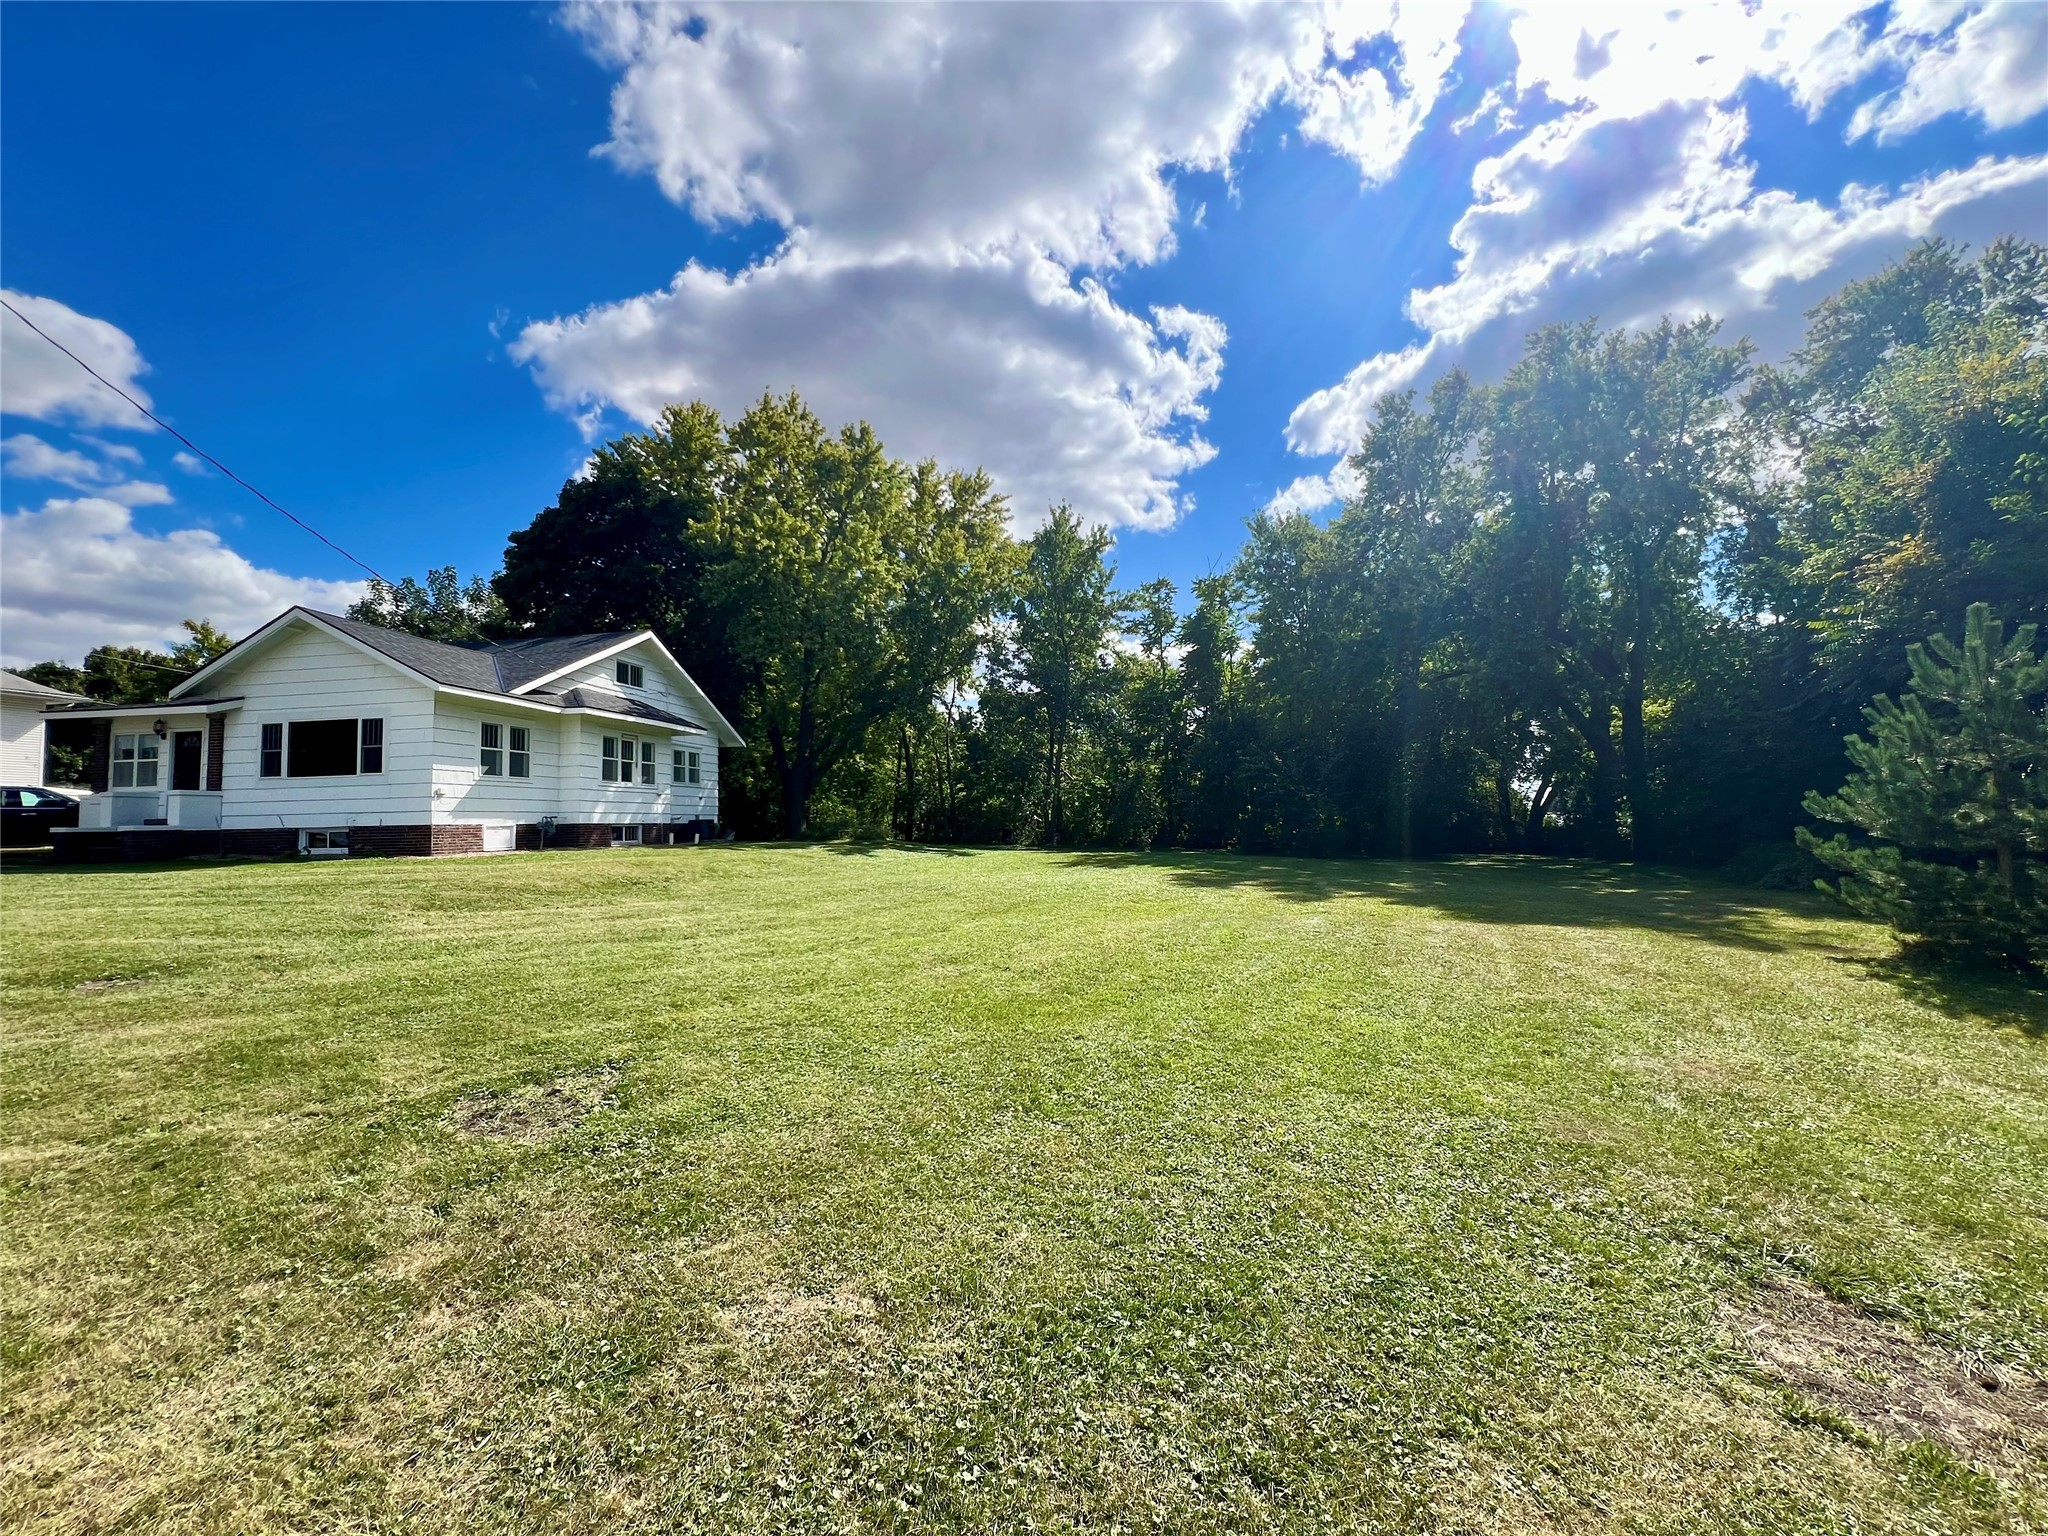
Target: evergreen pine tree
1952	788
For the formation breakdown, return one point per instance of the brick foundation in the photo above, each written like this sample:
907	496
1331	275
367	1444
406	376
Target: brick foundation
259	842
133	845
415	841
527	838
598	834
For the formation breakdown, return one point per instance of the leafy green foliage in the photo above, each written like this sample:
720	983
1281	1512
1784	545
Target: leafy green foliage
440	608
1952	783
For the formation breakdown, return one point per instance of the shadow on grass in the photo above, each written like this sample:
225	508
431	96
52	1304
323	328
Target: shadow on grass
1966	992
1567	893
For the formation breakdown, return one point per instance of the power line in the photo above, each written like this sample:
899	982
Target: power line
181	437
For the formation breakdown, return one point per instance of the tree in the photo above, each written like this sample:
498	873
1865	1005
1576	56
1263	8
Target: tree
1056	652
852	588
441	608
1401	534
1953	787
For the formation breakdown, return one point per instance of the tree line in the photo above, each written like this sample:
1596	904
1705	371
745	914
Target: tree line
1627	601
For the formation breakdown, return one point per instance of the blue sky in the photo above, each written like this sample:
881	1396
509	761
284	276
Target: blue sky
400	266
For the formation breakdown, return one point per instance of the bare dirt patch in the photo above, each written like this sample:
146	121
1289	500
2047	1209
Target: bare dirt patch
1887	1380
110	984
539	1111
781	1311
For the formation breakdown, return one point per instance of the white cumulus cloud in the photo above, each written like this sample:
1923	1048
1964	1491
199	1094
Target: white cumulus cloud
38	381
24	456
77	573
1640	199
943	178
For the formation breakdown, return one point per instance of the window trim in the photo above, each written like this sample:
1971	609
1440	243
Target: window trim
143	749
617	756
273	747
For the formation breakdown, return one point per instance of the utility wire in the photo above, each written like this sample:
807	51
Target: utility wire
181	437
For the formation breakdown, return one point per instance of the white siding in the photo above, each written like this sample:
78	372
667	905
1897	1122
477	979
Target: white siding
308	674
21	741
587	797
462	791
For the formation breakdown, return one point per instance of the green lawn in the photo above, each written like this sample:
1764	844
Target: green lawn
999	1191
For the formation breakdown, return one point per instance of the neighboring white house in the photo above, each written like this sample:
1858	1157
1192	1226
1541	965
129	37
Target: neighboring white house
320	734
22	727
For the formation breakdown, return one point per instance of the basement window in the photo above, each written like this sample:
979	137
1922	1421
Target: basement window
324	843
622	836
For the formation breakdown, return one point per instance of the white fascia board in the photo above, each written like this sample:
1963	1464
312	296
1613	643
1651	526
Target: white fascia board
160	707
722	730
500	700
267	636
588	657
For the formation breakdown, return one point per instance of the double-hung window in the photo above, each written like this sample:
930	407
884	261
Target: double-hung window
491	757
370	744
135	761
620	754
271	763
646	762
688	768
631	673
520	765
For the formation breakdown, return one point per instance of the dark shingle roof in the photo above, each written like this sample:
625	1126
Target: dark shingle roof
477	665
612	703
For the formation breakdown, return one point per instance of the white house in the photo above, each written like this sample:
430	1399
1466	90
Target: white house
320	734
22	723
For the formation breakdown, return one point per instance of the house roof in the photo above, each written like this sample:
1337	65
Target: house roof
613	704
15	683
511	668
477	664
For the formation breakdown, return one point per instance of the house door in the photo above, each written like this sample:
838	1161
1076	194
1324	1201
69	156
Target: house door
185	749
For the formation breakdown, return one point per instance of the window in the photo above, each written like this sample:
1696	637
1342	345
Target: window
688	767
135	760
621	835
271	763
327	843
620	754
325	749
493	754
372	740
631	673
521	766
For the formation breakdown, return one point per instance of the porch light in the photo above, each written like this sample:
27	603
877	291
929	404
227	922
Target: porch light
161	730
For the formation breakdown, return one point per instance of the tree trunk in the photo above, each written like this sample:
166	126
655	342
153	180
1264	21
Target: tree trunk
1401	785
1635	750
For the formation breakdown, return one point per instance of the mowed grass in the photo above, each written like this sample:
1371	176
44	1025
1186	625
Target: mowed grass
986	1191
